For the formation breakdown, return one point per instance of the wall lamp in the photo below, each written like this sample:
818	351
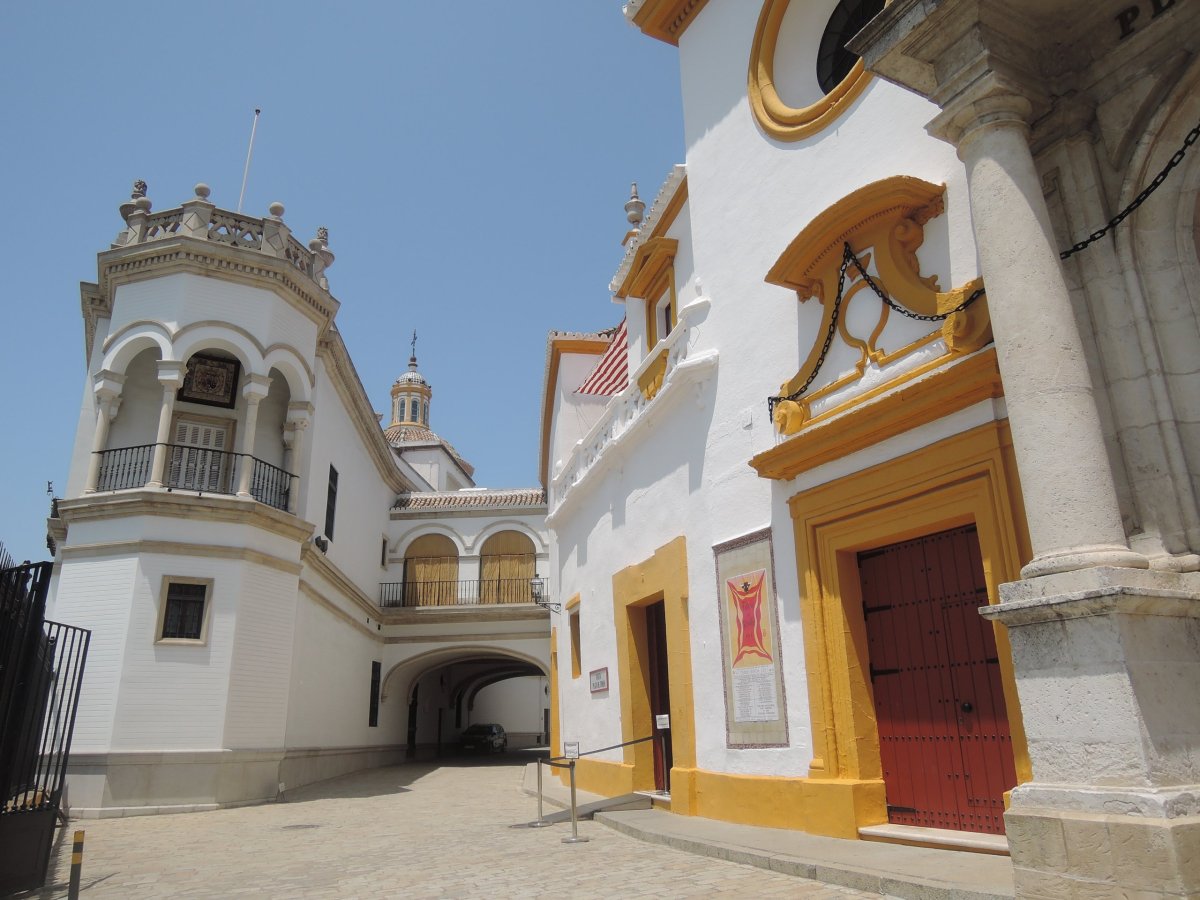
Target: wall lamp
537	590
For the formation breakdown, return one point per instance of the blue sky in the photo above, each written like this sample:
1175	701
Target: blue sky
470	160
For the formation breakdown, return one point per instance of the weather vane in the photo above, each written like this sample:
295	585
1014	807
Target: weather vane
414	343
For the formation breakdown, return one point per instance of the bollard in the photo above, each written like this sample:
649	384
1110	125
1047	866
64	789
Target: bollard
76	866
541	819
574	838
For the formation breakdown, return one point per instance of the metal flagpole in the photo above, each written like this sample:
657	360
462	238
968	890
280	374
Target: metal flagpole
249	153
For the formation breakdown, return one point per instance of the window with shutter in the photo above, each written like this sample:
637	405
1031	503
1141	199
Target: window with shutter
331	502
197	461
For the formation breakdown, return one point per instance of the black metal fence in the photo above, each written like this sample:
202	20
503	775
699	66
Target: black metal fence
482	592
194	469
41	670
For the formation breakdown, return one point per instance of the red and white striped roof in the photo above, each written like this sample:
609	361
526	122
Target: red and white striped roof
611	374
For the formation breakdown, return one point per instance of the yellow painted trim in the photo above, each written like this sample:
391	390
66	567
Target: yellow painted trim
968	478
666	20
651	270
661	577
671	211
883	222
609	779
594	346
651	378
555	724
572	603
922	397
776	118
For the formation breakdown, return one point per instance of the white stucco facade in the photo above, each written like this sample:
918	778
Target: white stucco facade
1028	413
226	453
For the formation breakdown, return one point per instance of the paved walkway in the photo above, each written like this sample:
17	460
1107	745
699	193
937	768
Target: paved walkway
421	830
893	870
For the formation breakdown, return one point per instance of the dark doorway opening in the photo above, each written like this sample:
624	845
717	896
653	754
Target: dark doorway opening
659	684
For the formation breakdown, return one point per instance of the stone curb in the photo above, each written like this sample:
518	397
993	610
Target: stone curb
842	876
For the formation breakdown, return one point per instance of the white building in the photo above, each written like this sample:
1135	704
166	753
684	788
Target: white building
784	594
278	589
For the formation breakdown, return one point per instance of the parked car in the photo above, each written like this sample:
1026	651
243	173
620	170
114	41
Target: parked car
488	738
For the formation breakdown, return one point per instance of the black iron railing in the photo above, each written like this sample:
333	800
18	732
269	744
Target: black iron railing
125	467
194	469
41	670
492	591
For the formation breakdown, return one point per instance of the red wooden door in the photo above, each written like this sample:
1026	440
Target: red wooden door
660	692
935	673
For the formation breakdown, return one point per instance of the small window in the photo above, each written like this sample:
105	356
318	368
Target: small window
401	409
383	553
666	318
184	610
331	502
373	716
576	664
834	61
416	409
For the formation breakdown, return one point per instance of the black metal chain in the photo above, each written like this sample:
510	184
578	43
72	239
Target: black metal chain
1176	159
847	255
848	259
920	317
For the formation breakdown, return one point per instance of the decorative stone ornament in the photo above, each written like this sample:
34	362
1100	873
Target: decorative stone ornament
883	222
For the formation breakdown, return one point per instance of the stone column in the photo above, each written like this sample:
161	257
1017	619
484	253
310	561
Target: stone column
298	419
1070	499
170	376
107	388
253	390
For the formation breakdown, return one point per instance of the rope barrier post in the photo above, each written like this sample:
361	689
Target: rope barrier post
76	866
574	838
541	819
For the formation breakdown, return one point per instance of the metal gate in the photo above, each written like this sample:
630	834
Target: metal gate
41	669
935	674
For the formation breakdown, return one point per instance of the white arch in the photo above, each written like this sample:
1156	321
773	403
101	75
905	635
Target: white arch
416	666
539	543
149	336
292	367
219	337
402	543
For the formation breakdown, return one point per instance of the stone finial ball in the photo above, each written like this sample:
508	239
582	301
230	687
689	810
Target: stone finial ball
202	190
142	203
276	209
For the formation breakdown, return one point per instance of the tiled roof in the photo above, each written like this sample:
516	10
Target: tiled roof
400	435
470	499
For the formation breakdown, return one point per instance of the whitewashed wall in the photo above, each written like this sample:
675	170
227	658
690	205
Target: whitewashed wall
688	473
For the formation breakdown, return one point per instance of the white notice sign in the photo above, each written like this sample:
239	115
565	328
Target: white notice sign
754	694
571	749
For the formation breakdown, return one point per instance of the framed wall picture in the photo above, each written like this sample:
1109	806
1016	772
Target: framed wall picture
210	380
752	670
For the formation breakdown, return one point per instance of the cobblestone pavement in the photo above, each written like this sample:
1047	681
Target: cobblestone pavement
421	830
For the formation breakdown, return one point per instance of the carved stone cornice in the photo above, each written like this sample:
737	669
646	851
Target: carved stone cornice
665	20
957	53
332	350
139	262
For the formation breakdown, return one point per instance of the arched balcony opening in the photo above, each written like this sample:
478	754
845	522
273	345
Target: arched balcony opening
506	564
206	425
431	573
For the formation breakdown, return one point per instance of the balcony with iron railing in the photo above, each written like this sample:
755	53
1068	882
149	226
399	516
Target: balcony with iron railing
194	469
469	592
